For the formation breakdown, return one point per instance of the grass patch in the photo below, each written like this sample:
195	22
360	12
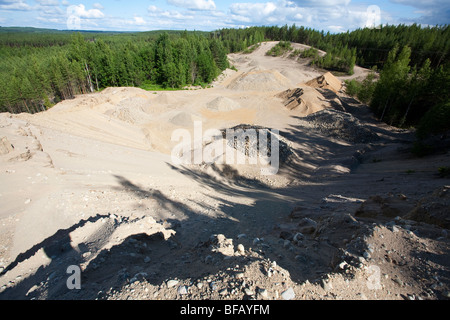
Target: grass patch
156	87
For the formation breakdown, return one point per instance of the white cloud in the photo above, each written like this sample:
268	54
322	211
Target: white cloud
98	6
15	5
48	3
332	15
158	13
81	12
322	3
255	12
194	4
139	21
153	9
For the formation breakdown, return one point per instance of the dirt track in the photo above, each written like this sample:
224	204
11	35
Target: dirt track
91	183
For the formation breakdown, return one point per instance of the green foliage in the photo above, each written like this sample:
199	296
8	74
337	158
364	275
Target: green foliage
149	86
353	87
42	67
364	90
435	121
310	53
39	70
251	48
337	59
280	49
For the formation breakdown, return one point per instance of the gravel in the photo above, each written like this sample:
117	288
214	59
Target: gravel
340	125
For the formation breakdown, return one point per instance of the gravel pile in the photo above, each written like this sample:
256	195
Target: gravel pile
339	125
242	142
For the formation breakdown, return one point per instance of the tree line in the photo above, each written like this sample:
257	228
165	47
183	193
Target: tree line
406	95
35	75
410	81
410	78
369	46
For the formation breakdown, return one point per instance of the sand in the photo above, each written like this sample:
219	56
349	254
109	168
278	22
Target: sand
326	81
91	183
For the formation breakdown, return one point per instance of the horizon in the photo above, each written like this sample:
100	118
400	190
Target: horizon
334	16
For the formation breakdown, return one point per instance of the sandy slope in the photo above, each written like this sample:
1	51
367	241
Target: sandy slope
91	182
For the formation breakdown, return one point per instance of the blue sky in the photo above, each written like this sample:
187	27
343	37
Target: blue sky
208	15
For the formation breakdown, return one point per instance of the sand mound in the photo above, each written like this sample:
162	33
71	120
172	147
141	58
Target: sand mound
260	80
131	110
306	101
326	81
222	104
182	119
165	98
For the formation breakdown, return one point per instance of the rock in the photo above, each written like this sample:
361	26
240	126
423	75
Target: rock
288	294
241	249
327	286
222	245
147	259
239	275
182	290
249	292
298	237
138	277
263	293
32	290
223	292
172	283
307	225
398	281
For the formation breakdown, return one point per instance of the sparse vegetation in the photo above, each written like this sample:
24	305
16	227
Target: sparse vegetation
280	49
251	48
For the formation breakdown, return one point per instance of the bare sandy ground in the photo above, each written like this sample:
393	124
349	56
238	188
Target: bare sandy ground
91	183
